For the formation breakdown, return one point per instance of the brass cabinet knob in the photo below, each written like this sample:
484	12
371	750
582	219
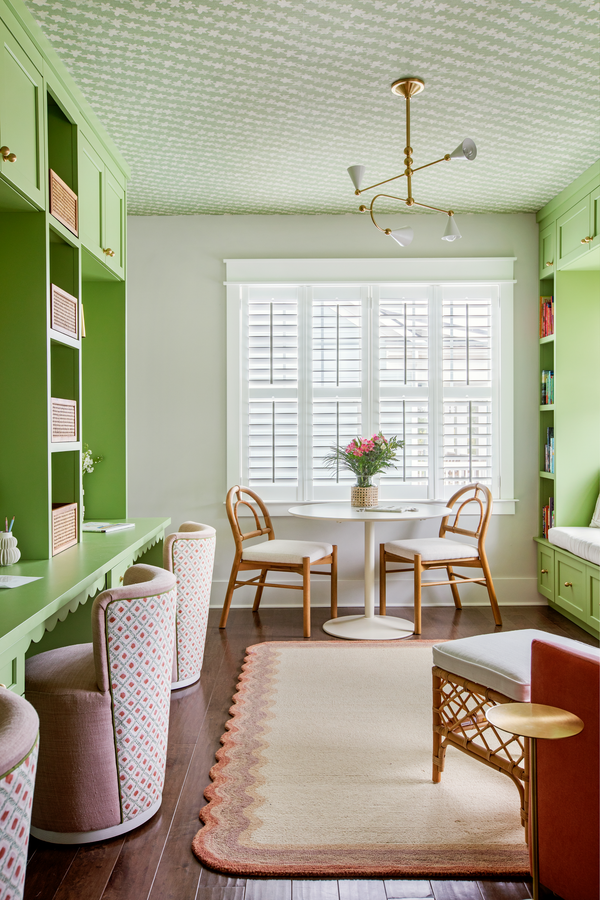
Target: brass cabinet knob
549	264
121	578
587	240
7	156
109	252
568	584
544	572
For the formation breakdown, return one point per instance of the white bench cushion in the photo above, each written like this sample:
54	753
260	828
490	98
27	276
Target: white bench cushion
432	549
582	541
286	551
501	661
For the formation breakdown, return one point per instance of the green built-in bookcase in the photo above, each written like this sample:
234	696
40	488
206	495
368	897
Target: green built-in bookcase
570	273
46	125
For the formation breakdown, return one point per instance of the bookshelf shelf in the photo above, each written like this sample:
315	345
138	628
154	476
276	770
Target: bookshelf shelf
569	427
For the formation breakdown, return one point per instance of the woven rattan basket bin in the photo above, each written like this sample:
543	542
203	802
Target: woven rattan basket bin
64	526
64	419
63	312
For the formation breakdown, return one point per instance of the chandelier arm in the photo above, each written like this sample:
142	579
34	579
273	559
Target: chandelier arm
390	197
435	162
379	183
448	212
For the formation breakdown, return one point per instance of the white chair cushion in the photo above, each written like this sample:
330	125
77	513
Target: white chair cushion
286	551
501	661
432	549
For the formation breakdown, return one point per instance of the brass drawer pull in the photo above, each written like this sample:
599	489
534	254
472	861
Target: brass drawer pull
568	584
587	240
549	264
109	252
7	156
544	571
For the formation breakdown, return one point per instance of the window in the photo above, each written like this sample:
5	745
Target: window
315	363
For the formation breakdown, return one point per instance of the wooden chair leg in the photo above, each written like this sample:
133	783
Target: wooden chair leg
490	589
306	594
382	580
438	760
230	590
418	571
454	587
334	583
259	590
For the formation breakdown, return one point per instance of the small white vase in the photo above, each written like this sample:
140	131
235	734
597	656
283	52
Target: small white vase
9	552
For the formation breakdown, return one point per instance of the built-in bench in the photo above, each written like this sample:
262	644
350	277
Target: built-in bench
569	574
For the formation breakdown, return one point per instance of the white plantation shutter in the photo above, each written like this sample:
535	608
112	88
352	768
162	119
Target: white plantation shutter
315	365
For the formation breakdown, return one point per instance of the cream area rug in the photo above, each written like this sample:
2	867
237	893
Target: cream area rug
325	771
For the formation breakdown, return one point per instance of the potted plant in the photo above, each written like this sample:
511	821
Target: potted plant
365	457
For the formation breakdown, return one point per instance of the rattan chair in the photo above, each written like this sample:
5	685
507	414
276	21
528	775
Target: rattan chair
273	556
444	553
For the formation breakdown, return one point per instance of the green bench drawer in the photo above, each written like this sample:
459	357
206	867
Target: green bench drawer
570	584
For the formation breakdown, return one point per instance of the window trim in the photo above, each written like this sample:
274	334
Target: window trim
499	271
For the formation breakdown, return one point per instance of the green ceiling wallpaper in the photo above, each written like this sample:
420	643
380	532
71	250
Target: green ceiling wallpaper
258	106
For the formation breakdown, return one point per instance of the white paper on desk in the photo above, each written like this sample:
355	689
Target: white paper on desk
11	581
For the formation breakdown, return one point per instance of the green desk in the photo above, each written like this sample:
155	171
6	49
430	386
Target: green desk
67	582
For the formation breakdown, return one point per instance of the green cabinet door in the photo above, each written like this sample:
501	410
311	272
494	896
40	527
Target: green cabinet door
572	229
546	571
570	585
91	195
21	120
547	250
114	196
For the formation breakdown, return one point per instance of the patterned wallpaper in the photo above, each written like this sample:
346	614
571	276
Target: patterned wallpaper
258	106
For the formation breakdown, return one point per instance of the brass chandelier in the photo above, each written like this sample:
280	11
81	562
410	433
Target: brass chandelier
407	88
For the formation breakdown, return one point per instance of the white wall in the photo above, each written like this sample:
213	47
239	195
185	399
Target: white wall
177	371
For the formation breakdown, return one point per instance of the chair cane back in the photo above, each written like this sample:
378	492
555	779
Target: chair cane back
282	556
414	551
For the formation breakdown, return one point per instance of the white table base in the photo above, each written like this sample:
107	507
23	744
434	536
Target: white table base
369	628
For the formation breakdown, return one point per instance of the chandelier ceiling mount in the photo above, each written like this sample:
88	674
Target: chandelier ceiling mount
409	87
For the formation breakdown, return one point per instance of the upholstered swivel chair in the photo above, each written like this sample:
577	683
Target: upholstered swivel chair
190	555
19	729
273	556
444	553
104	715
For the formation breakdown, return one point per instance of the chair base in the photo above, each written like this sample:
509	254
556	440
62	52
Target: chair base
459	720
185	682
101	834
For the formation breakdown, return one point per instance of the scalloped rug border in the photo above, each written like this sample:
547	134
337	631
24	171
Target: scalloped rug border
234	858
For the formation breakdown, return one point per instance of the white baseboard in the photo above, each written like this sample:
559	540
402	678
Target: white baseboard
510	592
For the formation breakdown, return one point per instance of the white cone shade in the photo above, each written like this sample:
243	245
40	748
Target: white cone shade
356	173
466	150
451	233
403	236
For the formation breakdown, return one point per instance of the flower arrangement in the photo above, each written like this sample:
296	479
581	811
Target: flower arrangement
88	460
366	457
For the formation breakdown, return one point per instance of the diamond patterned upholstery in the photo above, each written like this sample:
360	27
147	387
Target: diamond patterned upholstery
19	744
104	713
190	555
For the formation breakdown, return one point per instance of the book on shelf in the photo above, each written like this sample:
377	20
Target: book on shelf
547	517
106	527
547	387
549	451
546	316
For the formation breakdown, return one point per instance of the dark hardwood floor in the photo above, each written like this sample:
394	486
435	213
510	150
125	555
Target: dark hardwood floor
155	862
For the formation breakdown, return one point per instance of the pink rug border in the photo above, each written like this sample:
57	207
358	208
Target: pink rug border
330	862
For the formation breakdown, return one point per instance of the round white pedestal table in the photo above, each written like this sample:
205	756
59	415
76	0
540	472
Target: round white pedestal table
369	627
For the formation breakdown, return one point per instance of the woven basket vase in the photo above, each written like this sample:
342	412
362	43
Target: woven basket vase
364	496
